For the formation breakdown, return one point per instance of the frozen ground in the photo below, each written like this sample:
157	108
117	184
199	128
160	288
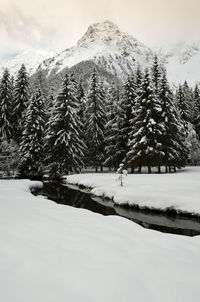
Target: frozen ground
56	253
180	191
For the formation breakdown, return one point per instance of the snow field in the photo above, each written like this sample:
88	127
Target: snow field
51	252
179	191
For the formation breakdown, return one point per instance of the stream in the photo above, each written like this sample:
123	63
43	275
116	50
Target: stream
164	222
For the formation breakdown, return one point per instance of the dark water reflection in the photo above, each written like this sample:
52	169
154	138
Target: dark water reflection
167	223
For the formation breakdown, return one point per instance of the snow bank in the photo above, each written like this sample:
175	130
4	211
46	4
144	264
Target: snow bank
179	191
51	252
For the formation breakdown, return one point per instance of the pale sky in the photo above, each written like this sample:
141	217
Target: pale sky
54	25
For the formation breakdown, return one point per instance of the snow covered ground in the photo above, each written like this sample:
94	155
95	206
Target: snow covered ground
51	252
179	191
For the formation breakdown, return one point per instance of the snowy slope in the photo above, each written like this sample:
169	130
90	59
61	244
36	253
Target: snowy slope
104	44
31	59
182	62
56	253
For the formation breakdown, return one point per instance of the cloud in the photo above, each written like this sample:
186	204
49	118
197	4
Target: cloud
58	24
19	31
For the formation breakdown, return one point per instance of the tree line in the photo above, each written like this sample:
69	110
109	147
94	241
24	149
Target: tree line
141	123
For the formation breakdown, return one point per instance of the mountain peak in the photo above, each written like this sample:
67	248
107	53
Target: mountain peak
103	31
104	44
107	26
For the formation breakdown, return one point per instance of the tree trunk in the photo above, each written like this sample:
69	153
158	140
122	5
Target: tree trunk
121	178
132	169
159	170
174	169
140	169
101	168
149	169
166	168
96	169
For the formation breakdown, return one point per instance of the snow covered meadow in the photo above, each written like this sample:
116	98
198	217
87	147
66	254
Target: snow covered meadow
51	252
179	191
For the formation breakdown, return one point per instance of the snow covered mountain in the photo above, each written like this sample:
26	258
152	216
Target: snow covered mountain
104	44
114	52
31	59
182	61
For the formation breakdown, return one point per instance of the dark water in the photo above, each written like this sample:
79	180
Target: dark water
167	223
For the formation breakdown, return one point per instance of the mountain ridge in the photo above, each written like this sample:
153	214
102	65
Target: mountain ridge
31	59
117	52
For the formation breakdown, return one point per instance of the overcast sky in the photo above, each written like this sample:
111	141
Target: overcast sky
57	24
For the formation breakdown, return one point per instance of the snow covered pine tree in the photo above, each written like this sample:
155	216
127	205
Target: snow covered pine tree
5	107
31	149
173	140
6	129
128	106
95	122
115	145
64	143
196	115
21	100
146	137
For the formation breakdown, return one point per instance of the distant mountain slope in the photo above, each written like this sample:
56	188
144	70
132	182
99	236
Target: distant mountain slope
83	70
182	61
31	59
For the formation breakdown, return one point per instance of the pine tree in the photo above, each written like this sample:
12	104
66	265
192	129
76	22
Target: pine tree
74	83
95	122
193	145
138	78
183	107
49	104
173	139
32	143
156	74
196	114
41	80
64	145
129	102
81	101
102	94
21	100
145	139
111	98
188	95
12	88
114	139
128	106
5	107
81	108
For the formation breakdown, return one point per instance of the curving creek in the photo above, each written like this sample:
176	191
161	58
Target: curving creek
165	222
